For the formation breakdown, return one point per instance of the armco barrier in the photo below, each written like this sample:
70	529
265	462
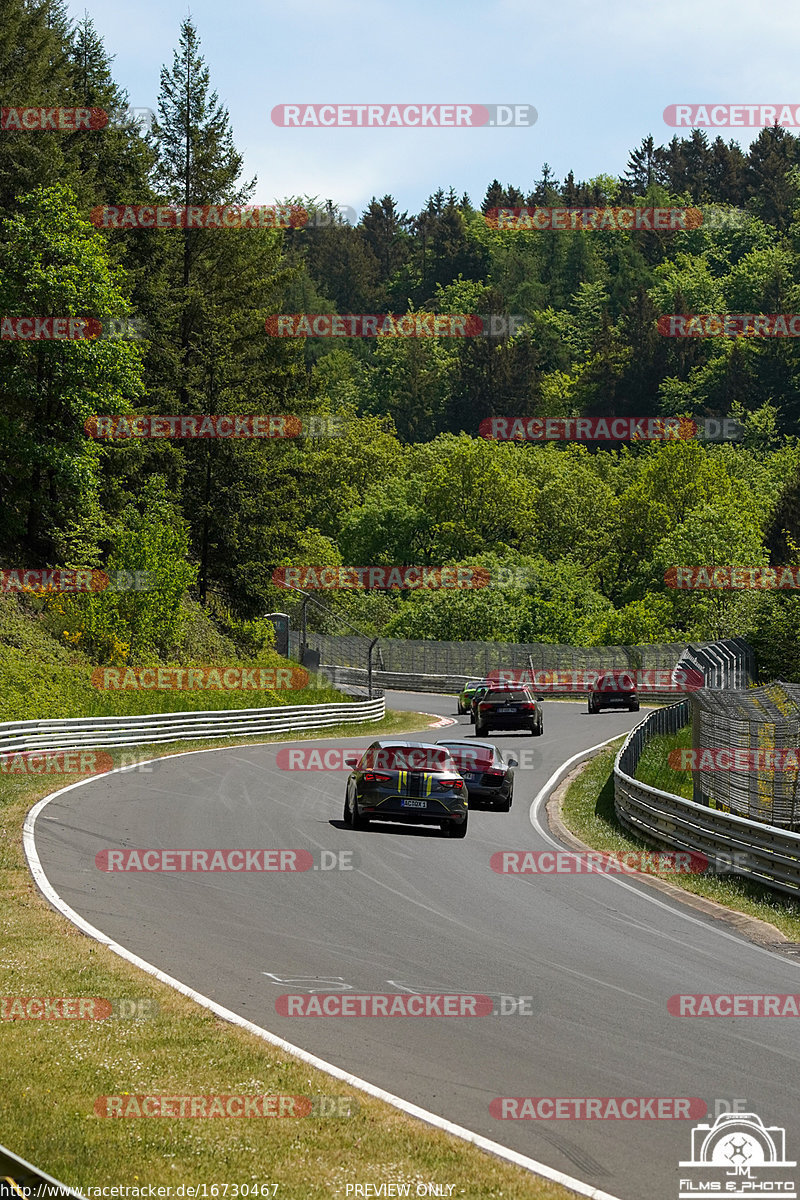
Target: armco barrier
747	848
72	733
342	677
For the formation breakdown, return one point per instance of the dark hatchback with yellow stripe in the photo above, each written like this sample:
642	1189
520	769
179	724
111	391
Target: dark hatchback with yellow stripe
407	781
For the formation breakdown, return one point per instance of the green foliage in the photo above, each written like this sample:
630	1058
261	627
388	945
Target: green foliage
588	532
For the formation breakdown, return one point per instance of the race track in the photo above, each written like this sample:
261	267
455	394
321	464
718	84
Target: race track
420	912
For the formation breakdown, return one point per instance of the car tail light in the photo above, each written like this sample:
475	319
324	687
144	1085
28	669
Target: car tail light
376	777
450	785
495	775
528	707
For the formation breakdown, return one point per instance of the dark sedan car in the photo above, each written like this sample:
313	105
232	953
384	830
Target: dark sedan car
407	781
508	708
487	772
614	689
482	690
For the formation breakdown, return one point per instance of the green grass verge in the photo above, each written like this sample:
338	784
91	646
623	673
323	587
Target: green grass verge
588	810
654	768
51	1072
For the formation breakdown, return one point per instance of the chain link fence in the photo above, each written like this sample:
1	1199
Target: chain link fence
447	666
746	747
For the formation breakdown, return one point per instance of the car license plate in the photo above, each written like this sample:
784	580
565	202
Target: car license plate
507	708
414	803
468	775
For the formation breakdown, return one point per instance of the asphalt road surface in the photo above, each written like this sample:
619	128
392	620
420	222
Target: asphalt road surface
424	913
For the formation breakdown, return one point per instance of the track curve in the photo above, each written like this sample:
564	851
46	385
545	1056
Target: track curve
599	958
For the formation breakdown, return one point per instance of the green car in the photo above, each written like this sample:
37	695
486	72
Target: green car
465	697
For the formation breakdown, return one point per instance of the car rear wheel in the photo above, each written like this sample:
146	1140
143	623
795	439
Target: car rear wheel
592	705
538	728
480	730
505	805
347	818
635	706
455	830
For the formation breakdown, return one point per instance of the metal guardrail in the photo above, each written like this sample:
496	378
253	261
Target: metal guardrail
24	1179
452	684
72	733
740	847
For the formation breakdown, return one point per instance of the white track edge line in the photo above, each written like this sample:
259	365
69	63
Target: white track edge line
412	1110
677	908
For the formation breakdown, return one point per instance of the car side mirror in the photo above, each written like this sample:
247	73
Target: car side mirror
512	760
540	698
352	760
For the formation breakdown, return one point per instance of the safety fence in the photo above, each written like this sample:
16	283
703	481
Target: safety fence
431	666
763	853
761	782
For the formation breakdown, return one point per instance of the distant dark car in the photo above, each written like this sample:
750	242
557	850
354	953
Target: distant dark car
614	689
508	708
487	772
407	781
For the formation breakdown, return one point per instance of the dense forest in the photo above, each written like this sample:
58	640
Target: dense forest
578	538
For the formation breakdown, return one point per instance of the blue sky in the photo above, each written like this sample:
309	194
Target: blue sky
598	73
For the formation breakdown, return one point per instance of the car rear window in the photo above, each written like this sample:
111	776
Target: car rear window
614	679
472	758
407	758
507	694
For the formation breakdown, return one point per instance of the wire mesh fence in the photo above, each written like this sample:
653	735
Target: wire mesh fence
746	752
446	666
